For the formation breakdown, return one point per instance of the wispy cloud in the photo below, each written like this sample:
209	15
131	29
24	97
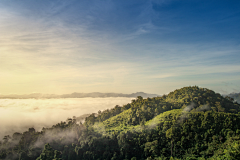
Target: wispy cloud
67	46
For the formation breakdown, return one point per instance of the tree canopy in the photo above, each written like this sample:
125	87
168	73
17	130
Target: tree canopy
188	123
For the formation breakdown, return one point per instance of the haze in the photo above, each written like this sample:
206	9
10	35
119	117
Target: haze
17	115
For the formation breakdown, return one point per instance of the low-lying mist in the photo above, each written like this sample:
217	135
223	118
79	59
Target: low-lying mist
17	115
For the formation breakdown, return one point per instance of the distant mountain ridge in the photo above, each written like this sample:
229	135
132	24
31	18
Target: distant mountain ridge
77	95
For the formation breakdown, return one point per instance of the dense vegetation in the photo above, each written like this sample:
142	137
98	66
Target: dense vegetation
188	123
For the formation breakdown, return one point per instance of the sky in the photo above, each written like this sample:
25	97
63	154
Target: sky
124	46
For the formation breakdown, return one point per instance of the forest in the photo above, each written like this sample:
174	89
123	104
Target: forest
188	123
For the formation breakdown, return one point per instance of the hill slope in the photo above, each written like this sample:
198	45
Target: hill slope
142	110
188	123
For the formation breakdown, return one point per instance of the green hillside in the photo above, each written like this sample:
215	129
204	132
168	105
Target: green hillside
141	110
188	123
114	126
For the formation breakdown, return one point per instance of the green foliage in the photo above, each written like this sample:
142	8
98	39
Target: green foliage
188	123
233	151
142	110
47	153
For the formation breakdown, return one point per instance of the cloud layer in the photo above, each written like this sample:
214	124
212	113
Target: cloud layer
17	115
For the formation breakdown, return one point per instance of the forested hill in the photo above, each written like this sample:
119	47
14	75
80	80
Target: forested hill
194	98
188	123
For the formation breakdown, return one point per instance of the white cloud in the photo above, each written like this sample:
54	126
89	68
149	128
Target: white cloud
17	115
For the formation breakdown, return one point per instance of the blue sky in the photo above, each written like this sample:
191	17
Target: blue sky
119	46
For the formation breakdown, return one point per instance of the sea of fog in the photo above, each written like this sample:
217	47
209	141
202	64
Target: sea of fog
17	115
